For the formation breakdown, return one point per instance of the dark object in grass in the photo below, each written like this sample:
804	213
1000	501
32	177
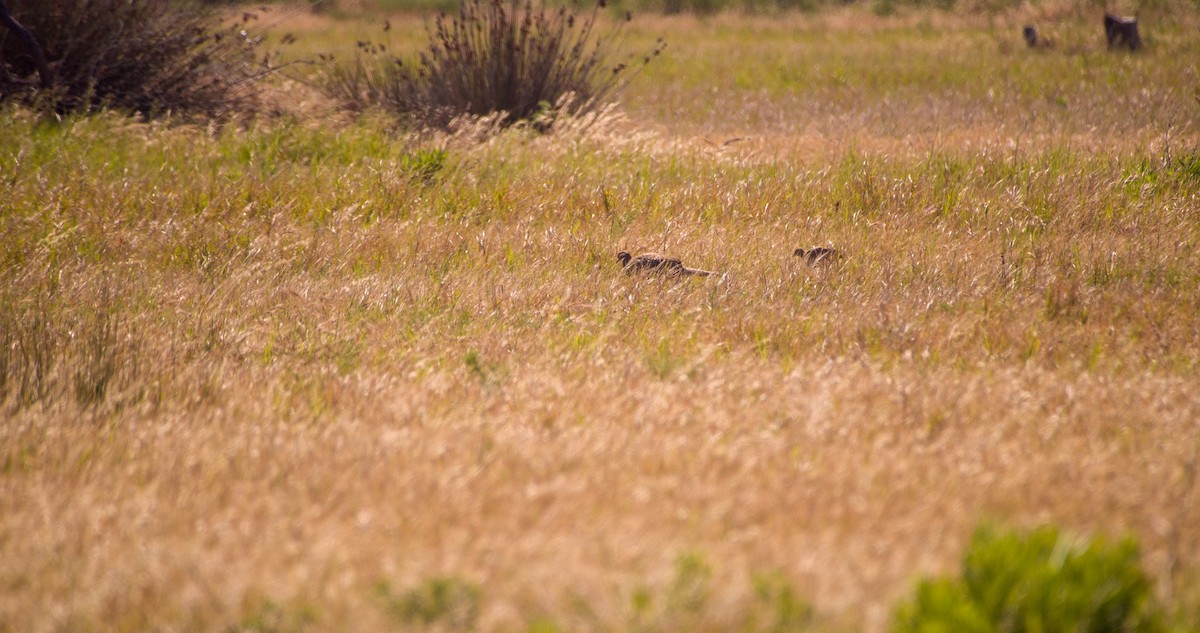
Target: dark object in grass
654	263
1031	36
1121	32
45	75
1035	40
819	255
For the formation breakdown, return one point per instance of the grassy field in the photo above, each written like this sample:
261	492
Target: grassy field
313	374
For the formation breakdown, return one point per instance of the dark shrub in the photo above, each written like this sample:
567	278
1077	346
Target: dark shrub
145	56
1040	581
494	56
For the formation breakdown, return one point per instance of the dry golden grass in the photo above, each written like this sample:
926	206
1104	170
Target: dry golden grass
250	374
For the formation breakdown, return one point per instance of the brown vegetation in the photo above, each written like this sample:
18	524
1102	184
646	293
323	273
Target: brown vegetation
308	376
142	56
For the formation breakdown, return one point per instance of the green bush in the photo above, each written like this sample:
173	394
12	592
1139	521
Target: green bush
1042	581
443	600
144	56
511	57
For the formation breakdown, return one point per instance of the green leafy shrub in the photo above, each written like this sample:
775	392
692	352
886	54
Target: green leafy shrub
1042	581
779	609
424	163
523	61
263	615
444	600
143	56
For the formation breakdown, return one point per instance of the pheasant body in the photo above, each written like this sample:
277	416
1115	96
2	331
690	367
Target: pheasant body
655	263
817	255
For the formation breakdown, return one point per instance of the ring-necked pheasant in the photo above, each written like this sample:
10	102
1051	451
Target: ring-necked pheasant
654	263
819	255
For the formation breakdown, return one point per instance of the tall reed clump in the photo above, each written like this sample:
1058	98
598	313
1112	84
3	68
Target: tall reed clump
142	56
521	60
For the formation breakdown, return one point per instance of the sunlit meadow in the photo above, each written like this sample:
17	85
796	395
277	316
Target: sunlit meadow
317	373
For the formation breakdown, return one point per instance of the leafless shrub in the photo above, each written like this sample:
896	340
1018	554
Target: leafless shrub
523	60
143	56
